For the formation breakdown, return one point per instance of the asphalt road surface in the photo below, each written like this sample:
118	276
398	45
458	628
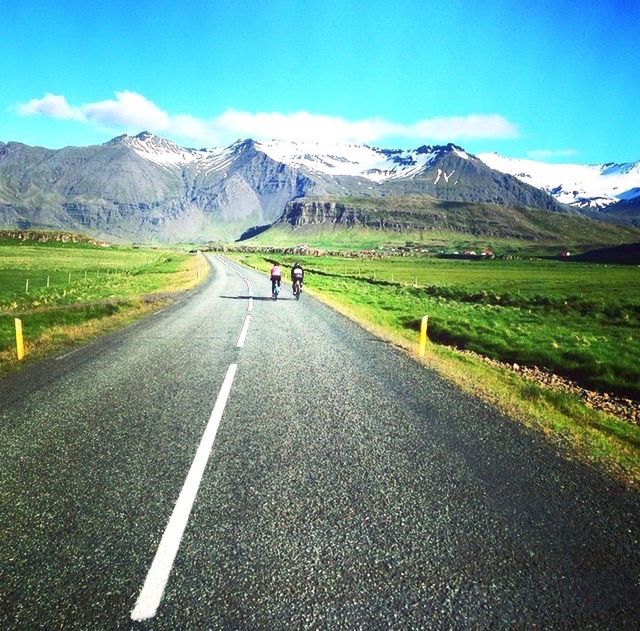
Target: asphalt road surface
237	463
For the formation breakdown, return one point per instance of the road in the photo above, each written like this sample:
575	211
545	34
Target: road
203	469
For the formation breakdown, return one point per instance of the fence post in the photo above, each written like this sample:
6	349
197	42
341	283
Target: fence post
423	334
26	289
19	340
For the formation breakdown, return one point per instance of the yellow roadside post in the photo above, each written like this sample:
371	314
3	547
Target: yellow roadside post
19	340
423	334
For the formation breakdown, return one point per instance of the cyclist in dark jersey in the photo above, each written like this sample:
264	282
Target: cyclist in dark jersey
297	275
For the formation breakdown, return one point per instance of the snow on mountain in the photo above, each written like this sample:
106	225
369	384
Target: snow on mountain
213	160
333	159
584	185
594	186
159	150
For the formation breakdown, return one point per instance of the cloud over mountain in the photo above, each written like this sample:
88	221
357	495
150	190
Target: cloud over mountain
131	111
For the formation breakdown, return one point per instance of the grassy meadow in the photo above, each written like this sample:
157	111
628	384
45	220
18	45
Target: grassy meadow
65	293
578	320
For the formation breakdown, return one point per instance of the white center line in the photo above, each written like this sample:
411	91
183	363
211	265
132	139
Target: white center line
156	581
243	333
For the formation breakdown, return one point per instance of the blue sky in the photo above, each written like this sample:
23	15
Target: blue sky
550	80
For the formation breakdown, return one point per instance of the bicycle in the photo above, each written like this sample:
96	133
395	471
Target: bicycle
275	290
297	288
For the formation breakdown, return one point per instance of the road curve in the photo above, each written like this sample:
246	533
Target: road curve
338	485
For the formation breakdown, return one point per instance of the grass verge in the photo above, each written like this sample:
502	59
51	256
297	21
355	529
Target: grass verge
61	312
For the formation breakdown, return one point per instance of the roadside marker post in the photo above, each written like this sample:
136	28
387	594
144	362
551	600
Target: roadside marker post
19	339
423	335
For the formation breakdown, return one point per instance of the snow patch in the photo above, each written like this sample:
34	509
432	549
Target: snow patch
159	150
443	174
597	185
347	159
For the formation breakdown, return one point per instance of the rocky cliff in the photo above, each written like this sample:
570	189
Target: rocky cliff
425	213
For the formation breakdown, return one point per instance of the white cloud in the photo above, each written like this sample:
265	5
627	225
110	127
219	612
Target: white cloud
132	112
464	127
128	110
543	154
50	105
299	125
305	126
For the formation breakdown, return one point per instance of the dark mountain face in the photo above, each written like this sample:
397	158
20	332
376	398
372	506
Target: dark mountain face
147	188
625	211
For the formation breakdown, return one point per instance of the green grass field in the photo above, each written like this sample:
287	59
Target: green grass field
65	292
361	238
579	320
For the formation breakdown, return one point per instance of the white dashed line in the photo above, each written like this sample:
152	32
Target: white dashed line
156	581
243	333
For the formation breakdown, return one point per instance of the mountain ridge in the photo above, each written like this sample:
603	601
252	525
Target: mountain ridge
146	187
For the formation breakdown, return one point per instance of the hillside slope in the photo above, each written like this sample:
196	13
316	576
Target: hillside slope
429	219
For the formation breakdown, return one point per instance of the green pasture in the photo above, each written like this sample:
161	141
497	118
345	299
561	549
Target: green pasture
578	320
60	275
564	231
52	286
508	280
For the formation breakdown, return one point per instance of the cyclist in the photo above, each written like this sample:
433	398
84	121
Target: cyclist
276	277
297	275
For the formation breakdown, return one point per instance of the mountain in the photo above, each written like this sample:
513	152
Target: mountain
610	189
445	172
145	187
